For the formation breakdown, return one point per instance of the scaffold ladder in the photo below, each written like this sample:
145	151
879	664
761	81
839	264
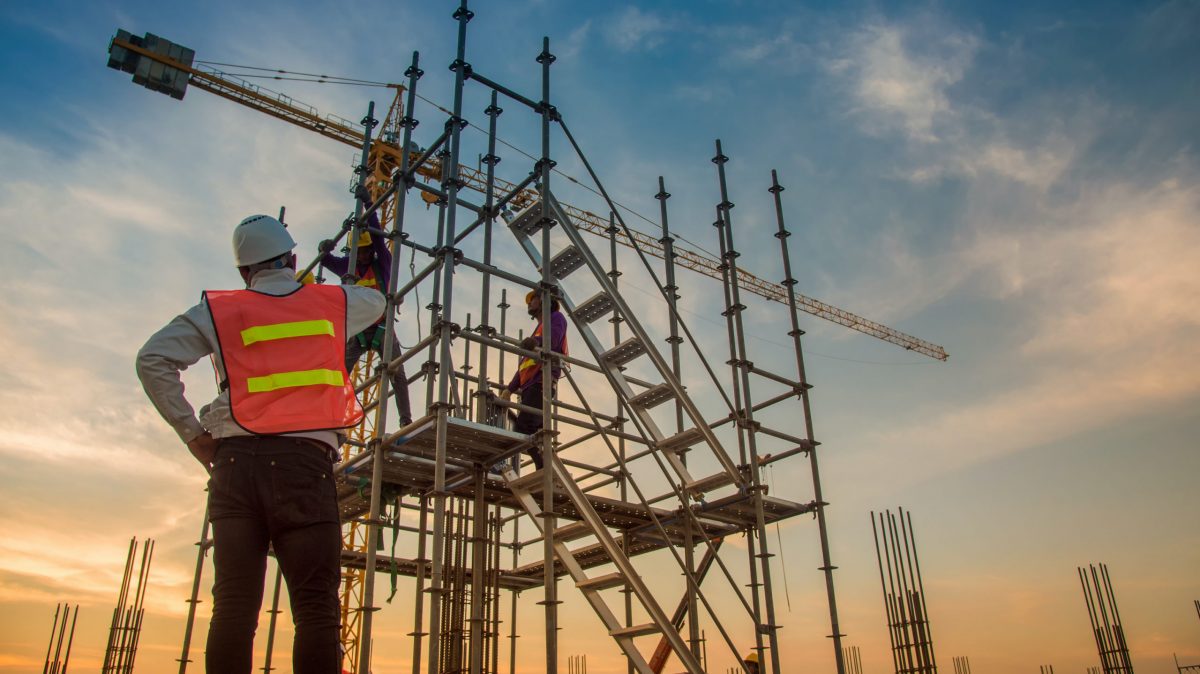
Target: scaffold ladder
591	524
576	255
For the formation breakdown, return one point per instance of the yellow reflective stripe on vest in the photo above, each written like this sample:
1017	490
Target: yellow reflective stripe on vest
272	382
266	333
369	282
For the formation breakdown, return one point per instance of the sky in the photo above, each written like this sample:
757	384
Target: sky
1017	182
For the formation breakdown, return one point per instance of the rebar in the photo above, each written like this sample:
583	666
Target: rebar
1105	619
903	594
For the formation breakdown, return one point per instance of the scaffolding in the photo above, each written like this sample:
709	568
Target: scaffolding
637	465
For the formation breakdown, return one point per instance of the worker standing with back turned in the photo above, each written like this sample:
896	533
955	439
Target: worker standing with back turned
527	382
268	439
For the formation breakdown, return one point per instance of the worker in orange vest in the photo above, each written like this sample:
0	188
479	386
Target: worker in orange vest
269	438
527	382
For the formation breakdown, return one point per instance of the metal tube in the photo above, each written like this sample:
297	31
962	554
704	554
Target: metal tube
70	641
545	436
274	618
478	560
484	411
50	644
368	595
494	86
451	186
822	527
202	546
764	557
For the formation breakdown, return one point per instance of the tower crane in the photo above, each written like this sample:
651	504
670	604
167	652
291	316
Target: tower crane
162	66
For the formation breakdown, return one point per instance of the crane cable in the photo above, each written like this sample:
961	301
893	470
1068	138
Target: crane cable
279	74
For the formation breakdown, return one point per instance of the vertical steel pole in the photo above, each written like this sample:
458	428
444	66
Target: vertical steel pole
445	253
546	437
615	274
70	642
50	644
479	542
274	618
202	549
826	564
485	410
376	445
887	605
464	411
672	289
419	596
743	365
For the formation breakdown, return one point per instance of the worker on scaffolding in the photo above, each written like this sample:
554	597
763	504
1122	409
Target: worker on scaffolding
527	382
373	269
750	663
269	438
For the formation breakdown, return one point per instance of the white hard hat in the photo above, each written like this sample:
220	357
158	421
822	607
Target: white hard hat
259	238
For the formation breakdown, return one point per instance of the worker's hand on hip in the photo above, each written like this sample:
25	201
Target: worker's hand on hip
204	448
506	394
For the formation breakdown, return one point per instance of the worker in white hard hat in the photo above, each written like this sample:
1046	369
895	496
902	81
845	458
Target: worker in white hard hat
527	382
268	439
750	663
372	269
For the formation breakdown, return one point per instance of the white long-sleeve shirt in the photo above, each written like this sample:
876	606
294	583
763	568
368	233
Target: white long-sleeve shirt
191	336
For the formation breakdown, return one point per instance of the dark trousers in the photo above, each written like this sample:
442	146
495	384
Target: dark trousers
399	384
277	491
531	422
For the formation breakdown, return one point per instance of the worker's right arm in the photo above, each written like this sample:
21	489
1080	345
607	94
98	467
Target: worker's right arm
364	306
169	351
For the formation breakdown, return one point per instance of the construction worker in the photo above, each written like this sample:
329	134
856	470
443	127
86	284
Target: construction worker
750	663
373	267
528	379
268	439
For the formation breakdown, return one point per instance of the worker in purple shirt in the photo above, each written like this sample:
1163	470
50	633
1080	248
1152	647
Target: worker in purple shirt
528	380
374	270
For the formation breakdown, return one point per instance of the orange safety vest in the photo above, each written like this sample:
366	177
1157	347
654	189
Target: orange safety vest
529	368
284	359
368	279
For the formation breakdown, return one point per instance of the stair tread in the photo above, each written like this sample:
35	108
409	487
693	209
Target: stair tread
624	352
606	581
655	395
635	631
681	440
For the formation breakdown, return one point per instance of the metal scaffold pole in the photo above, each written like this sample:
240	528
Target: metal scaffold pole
441	406
368	607
674	340
485	410
274	612
795	333
202	547
763	556
545	436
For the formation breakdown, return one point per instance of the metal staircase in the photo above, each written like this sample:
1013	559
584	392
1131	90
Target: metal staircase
576	255
591	524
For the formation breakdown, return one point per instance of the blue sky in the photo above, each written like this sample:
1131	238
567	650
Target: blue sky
1017	182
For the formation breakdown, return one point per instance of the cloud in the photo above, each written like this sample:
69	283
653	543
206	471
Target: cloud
572	46
1107	302
899	74
635	30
